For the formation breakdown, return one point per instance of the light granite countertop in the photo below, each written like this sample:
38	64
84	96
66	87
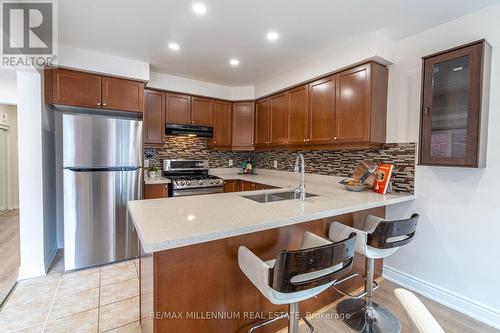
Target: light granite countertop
156	180
168	223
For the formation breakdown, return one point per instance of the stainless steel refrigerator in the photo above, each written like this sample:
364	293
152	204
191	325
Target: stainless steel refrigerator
102	170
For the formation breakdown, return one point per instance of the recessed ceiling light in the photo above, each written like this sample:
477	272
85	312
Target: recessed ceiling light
199	8
272	35
234	62
174	46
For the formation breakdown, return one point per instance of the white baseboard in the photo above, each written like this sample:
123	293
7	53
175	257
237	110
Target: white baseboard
40	270
50	258
465	305
30	272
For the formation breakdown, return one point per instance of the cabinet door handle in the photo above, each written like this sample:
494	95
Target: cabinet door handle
104	104
335	138
98	103
427	110
305	140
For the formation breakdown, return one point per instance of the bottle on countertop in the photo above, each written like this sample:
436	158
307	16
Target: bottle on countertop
247	167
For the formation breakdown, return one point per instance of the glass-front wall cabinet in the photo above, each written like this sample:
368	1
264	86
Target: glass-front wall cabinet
451	107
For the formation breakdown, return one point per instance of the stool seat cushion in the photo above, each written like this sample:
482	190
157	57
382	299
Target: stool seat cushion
257	271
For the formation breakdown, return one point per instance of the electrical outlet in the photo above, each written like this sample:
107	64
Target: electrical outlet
275	164
146	163
230	162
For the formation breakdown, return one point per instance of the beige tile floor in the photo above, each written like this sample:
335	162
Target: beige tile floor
105	299
101	299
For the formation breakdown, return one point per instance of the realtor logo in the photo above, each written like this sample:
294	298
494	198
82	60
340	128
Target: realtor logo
28	33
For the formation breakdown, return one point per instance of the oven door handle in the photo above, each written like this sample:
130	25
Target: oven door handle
198	191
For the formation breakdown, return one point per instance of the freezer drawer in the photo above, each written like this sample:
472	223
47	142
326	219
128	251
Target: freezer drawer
97	225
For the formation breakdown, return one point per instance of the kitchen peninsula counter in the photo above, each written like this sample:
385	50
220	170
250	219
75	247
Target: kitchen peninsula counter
190	280
168	223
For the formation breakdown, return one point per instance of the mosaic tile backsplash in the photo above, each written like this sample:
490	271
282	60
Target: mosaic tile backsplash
338	163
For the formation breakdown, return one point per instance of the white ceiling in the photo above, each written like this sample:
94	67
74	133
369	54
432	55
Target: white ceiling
141	30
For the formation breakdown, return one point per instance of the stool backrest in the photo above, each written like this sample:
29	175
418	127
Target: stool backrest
390	234
315	266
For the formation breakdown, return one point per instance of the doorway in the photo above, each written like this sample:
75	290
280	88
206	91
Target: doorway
9	201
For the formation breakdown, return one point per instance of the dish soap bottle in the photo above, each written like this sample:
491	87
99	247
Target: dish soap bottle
248	167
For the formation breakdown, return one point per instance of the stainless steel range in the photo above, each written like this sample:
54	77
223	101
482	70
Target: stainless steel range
190	177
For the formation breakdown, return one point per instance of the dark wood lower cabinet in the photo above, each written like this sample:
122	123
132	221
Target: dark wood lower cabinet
155	191
238	185
185	287
231	186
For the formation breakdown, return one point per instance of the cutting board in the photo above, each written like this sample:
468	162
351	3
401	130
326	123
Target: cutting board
361	169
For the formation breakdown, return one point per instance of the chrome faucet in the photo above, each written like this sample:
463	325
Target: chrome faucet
302	186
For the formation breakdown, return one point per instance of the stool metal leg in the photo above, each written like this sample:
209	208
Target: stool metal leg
365	315
293	318
311	328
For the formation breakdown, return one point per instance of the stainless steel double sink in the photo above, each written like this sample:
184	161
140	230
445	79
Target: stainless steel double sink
276	196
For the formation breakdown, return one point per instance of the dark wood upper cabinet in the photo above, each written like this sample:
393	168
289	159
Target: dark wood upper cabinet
201	111
154	117
454	114
322	111
361	105
120	94
352	111
279	119
298	115
262	122
222	124
344	110
243	126
73	88
178	109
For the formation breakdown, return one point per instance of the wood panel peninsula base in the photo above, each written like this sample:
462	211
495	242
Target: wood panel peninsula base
200	288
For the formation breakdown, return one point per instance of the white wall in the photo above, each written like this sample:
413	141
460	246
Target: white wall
31	176
456	253
196	87
76	58
8	116
8	91
371	46
365	47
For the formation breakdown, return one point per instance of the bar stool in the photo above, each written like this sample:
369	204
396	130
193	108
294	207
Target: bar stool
421	320
377	239
297	275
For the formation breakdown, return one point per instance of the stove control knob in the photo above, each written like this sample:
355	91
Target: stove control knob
200	182
210	181
188	182
181	183
216	181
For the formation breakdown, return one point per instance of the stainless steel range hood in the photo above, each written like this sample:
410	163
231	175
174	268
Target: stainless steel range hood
189	130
